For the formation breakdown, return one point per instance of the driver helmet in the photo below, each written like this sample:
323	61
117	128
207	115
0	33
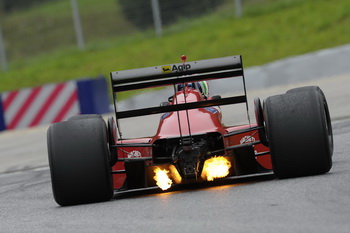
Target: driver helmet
201	86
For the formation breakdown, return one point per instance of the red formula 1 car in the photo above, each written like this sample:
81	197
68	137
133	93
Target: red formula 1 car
91	160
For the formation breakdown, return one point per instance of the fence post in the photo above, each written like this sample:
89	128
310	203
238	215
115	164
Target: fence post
157	20
77	25
3	59
238	8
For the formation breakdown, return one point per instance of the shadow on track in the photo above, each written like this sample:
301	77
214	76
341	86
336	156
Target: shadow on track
249	179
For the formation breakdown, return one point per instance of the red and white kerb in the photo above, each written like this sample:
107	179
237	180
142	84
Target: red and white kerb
40	105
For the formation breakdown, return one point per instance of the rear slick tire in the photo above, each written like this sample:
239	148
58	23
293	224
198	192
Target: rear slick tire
298	133
323	99
78	159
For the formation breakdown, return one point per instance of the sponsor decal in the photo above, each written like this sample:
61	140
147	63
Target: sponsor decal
134	154
180	68
166	69
176	68
247	139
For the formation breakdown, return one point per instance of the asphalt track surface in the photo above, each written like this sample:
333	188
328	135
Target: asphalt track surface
265	204
253	204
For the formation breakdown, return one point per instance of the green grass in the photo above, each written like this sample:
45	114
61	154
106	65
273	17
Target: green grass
29	32
266	32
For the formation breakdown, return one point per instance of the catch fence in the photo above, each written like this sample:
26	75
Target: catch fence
53	25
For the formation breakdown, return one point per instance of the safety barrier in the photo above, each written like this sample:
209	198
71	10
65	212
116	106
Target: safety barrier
53	103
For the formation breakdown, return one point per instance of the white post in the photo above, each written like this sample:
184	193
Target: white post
157	20
77	25
238	7
3	59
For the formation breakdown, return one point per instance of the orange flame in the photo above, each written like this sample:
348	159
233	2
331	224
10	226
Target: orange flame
174	174
161	176
216	167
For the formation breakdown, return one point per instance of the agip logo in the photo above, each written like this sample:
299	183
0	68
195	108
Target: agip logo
176	68
166	69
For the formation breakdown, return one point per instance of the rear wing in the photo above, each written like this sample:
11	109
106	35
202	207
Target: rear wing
172	74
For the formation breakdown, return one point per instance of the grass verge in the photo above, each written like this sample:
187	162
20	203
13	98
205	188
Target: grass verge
266	32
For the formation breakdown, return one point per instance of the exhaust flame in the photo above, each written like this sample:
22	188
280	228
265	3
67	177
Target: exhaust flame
175	175
216	167
161	176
